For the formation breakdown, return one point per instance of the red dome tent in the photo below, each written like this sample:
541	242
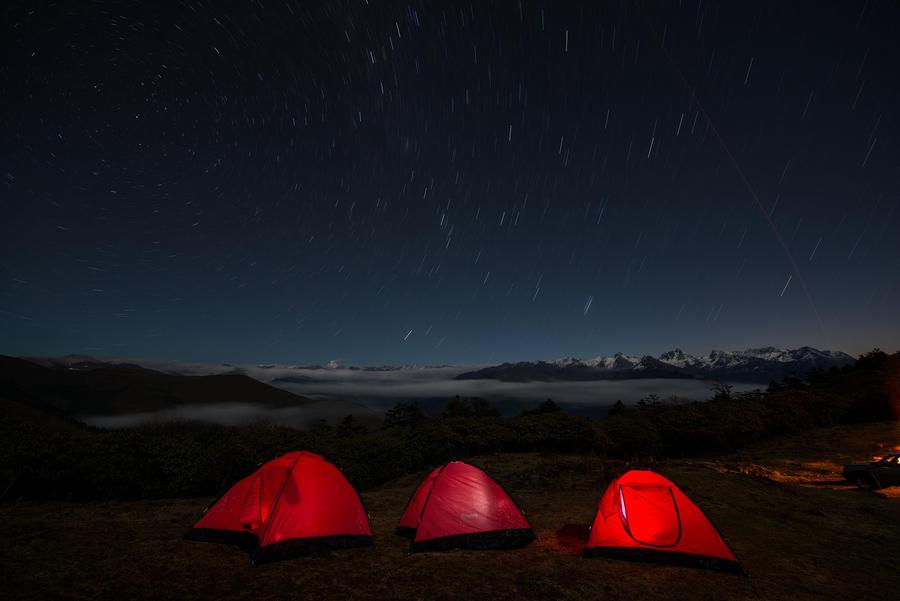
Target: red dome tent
644	516
458	505
293	505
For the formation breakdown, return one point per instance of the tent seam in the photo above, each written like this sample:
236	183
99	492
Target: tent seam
428	498
290	473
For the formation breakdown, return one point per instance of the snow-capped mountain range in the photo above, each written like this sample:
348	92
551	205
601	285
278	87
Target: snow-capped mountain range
752	365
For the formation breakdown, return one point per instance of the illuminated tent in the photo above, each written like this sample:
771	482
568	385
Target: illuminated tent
644	516
293	505
458	505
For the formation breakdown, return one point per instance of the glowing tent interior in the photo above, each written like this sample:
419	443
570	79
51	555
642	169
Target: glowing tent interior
644	516
296	504
459	505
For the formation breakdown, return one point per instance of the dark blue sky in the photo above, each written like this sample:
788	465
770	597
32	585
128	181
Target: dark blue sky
447	182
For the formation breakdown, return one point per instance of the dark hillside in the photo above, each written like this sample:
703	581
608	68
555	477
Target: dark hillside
118	389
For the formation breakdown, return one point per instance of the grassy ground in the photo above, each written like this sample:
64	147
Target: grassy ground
798	531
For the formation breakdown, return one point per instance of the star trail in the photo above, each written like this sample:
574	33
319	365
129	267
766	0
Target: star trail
443	182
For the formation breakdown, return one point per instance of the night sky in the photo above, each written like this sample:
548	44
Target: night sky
443	182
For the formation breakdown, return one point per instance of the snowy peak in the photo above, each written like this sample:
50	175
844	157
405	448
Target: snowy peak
678	358
673	355
621	361
722	359
568	361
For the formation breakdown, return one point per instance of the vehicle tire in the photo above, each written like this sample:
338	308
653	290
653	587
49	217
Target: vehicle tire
866	481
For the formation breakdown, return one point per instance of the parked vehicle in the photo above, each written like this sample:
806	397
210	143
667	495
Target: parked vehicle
875	474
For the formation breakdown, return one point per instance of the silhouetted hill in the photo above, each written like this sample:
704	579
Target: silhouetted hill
17	414
77	362
106	389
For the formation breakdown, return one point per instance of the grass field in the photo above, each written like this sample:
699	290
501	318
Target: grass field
798	531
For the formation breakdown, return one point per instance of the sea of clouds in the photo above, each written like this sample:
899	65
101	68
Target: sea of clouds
367	394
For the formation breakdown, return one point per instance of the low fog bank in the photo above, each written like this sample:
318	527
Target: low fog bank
381	389
241	414
380	394
367	394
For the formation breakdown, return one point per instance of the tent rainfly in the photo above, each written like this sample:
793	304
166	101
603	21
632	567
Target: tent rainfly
459	505
294	505
644	516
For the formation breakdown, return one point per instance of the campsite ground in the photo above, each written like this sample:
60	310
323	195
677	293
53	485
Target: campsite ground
798	531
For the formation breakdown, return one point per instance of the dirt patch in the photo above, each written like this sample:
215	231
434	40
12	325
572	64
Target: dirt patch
816	459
